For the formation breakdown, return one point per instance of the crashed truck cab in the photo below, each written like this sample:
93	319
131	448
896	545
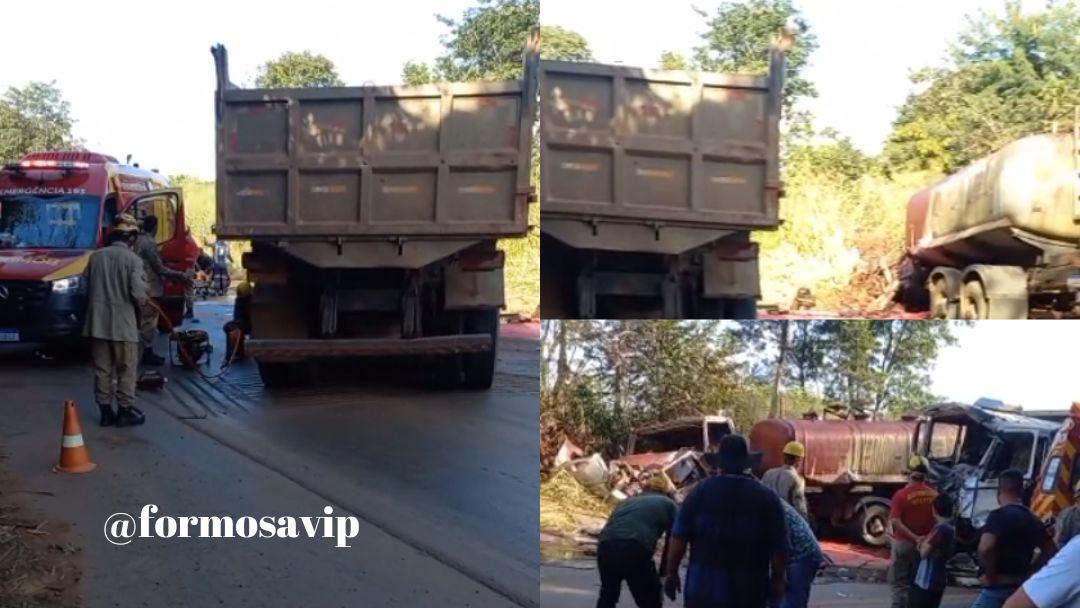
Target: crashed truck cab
969	446
675	447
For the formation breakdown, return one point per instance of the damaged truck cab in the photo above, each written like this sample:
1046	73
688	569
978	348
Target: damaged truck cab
969	446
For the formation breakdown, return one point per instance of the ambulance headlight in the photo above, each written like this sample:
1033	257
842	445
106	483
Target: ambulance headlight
68	285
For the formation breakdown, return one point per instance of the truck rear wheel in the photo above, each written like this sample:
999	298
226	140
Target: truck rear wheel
941	306
871	525
973	303
479	368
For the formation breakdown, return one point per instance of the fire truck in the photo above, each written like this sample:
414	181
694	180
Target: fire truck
1061	473
55	209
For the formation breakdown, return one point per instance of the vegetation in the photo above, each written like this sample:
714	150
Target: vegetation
298	70
1009	75
33	118
601	379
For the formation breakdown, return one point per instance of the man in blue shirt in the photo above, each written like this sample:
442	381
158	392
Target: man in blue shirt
804	559
737	535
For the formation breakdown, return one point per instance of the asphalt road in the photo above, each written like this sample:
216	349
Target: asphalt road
576	585
444	482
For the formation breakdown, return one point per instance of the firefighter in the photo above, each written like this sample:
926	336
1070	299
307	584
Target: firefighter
116	290
786	481
912	519
156	273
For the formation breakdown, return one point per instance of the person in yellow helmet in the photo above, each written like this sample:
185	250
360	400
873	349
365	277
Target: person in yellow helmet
116	287
786	481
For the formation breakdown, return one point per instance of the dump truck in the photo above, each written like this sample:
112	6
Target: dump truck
373	214
969	446
651	183
1000	238
852	468
55	210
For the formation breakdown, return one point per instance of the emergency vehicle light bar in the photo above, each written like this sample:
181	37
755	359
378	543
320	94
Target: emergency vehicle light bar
66	165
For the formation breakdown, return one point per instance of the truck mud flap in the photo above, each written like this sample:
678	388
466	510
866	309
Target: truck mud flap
285	351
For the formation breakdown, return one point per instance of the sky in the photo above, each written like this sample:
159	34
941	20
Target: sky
140	78
1032	364
867	48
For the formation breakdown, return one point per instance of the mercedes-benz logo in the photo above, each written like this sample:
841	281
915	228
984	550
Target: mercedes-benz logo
4	293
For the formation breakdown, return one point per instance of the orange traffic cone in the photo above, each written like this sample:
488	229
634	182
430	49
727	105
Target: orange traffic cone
74	458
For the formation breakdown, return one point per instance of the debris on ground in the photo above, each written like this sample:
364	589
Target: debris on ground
37	567
568	507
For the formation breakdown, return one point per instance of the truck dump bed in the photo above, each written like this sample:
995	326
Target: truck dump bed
434	161
678	148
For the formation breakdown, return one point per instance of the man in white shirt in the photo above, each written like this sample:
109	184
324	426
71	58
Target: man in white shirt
1056	585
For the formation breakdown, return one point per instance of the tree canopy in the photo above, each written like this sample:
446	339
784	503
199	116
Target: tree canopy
298	70
33	118
561	44
484	43
740	34
1009	75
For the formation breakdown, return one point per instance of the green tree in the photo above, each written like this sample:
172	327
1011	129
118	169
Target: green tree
671	60
298	70
34	118
827	153
740	33
486	41
882	366
416	72
561	44
1009	75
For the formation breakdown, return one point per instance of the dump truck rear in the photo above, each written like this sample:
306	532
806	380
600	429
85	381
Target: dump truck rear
1000	238
373	214
651	183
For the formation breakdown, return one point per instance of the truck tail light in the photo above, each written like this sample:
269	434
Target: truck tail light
481	260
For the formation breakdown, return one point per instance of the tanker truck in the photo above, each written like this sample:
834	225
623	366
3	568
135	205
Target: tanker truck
1000	239
373	214
650	185
852	468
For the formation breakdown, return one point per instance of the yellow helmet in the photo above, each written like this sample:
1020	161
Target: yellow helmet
918	464
794	448
125	222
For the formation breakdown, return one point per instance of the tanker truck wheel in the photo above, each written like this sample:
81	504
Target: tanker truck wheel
871	524
940	305
479	368
973	303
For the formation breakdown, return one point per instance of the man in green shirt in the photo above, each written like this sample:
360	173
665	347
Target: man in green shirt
628	543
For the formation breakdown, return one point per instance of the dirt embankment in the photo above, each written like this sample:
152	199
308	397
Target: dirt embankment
38	566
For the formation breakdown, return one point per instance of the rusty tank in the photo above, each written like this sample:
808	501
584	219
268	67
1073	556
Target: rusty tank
852	468
1001	237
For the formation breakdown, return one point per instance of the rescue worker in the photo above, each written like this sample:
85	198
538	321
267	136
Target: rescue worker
911	518
628	542
786	481
156	273
1068	521
116	289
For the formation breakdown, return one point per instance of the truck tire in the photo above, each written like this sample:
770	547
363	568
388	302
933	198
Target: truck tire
871	524
479	368
973	303
941	305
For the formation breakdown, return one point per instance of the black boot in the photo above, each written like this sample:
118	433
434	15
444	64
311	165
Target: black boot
130	416
149	358
108	416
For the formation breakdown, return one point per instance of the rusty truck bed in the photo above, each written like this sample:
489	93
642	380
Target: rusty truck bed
448	160
679	148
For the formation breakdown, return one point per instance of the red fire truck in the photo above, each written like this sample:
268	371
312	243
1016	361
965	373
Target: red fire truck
55	208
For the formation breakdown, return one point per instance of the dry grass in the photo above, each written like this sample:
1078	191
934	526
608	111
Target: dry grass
564	503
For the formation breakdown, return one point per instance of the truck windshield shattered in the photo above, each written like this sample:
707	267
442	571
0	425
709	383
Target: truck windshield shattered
54	222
